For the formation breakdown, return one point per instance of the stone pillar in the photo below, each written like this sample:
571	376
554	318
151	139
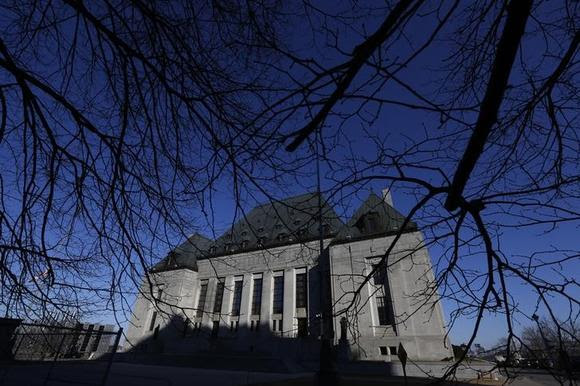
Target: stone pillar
210	300
288	319
189	292
246	307
227	303
266	312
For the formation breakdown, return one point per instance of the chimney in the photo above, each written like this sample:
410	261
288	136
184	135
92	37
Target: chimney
387	196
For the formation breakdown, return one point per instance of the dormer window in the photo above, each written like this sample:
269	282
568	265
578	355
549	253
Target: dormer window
260	229
302	232
282	236
368	223
244	244
213	249
244	233
261	241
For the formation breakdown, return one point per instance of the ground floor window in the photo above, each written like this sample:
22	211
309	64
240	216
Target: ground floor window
277	325
215	329
255	325
302	327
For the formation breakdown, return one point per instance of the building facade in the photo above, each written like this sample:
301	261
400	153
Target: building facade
290	273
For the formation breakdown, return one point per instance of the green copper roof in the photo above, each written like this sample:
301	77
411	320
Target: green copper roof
388	220
289	221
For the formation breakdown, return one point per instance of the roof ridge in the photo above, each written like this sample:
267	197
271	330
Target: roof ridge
276	201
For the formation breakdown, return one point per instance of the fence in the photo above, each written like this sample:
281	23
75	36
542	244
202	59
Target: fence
54	352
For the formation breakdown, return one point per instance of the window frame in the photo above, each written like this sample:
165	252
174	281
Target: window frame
383	299
202	301
257	296
219	296
237	297
278	294
301	288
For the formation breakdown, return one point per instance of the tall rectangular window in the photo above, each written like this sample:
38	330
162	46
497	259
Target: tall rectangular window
278	298
301	290
152	324
384	311
202	298
257	296
219	296
237	299
383	298
160	294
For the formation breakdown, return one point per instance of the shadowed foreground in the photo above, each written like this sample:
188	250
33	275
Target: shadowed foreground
90	373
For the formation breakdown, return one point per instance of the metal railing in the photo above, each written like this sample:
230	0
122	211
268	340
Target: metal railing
67	345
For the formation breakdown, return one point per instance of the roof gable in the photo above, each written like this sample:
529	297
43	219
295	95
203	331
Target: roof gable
185	255
374	217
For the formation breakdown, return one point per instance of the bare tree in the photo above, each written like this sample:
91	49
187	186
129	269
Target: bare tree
122	120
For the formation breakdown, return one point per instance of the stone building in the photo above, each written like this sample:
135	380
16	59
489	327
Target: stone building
290	272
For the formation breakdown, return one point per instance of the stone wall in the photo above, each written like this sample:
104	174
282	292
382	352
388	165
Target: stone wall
181	288
419	323
419	320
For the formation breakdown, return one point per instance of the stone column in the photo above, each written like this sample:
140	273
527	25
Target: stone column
227	302
288	319
210	300
266	312
246	306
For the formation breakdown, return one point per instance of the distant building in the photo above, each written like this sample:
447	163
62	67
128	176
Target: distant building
266	285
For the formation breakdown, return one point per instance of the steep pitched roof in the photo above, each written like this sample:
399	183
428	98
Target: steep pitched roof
185	255
276	223
280	222
288	221
386	219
